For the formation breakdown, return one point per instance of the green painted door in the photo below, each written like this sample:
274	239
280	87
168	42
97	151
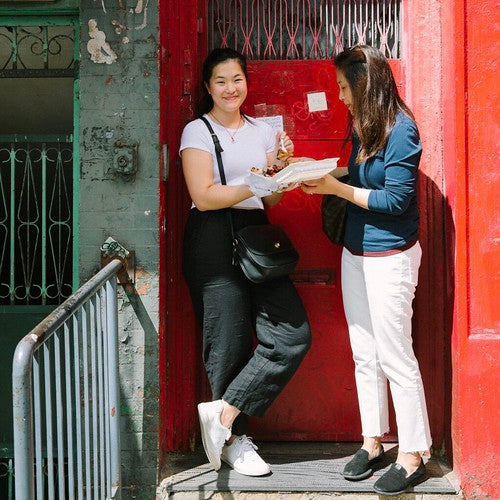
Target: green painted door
39	165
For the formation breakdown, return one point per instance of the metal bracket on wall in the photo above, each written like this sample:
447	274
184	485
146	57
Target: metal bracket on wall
165	162
110	250
125	159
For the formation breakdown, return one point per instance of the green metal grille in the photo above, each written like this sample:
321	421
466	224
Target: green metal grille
36	177
39	179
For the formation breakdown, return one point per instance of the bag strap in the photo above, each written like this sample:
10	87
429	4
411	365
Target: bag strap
218	151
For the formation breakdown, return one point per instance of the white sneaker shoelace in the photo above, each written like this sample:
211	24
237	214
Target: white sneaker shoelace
243	457
248	445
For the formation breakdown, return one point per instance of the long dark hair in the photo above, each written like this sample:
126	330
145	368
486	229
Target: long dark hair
216	57
376	99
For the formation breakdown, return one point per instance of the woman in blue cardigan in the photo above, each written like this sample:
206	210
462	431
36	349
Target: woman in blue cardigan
380	264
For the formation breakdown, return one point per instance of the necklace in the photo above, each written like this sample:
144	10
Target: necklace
228	133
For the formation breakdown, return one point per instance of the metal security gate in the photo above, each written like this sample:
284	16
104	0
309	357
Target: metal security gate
304	29
39	152
39	183
36	226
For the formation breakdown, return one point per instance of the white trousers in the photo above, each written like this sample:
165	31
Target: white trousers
378	293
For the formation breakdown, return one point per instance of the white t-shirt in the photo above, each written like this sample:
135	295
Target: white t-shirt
252	141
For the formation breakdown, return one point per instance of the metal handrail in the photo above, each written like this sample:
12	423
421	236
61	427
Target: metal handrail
22	379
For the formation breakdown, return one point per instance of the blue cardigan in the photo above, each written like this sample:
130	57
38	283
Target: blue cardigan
391	220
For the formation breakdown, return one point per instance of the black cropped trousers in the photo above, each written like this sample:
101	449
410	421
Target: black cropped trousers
231	309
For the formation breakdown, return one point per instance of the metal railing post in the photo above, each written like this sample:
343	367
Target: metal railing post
114	384
22	401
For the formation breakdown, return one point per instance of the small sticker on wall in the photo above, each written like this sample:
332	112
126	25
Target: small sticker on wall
316	101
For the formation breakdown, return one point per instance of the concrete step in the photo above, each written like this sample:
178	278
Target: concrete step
300	471
240	495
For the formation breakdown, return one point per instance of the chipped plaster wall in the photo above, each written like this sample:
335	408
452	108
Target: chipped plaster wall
119	102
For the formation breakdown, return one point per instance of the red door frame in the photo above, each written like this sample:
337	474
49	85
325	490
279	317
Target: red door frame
178	351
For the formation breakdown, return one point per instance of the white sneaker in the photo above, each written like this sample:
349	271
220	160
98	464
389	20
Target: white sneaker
213	433
243	458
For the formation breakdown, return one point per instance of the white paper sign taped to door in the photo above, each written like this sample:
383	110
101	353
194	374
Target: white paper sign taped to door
316	101
275	121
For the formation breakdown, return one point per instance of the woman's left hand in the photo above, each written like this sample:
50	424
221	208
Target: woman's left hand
330	185
323	185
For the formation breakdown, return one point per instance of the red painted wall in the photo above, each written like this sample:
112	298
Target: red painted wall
470	116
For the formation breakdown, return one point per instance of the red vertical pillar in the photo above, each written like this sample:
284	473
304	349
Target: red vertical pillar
471	136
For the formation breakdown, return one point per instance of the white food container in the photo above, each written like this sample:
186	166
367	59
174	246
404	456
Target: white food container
298	172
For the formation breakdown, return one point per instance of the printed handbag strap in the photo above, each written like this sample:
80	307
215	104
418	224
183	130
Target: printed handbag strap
218	151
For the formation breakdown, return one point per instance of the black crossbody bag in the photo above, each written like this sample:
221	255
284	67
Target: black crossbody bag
264	251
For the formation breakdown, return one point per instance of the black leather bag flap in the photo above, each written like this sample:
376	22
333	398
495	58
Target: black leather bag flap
264	252
265	239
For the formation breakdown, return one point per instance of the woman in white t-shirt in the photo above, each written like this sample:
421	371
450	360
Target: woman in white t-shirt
228	306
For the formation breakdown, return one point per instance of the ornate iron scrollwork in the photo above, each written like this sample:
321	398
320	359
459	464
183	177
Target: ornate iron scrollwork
36	48
304	29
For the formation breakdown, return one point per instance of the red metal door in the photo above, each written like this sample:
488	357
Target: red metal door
320	402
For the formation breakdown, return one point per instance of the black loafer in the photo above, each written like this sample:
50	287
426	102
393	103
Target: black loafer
360	467
394	481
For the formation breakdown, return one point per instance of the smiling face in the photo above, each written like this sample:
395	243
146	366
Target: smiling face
345	93
227	86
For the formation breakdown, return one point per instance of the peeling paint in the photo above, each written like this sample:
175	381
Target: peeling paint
118	26
99	50
145	18
143	289
138	7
